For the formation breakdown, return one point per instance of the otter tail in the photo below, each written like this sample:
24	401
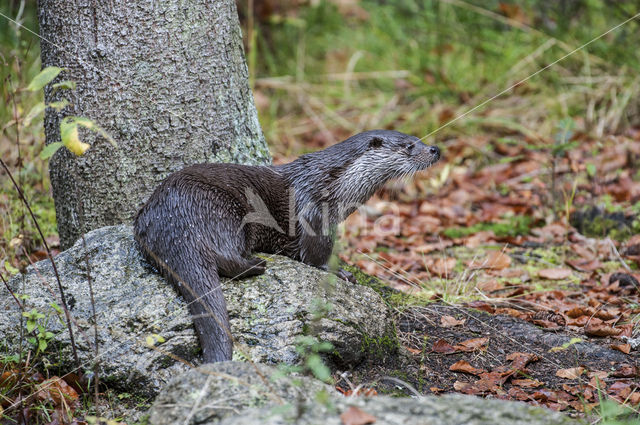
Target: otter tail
196	279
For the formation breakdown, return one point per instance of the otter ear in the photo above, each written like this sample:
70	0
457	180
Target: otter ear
376	142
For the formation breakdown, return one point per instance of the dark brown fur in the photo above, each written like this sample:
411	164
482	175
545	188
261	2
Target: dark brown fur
194	227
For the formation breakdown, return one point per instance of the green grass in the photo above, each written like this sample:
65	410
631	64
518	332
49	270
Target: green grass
512	226
452	52
20	58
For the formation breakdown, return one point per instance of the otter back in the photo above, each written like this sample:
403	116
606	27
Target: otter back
193	229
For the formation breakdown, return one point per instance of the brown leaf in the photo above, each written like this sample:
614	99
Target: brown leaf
472	344
571	373
482	305
527	383
466	388
558	273
626	371
430	247
442	346
57	391
600	329
585	266
490	285
464	366
447	321
443	266
518	394
578	311
625	348
413	350
359	392
495	260
355	416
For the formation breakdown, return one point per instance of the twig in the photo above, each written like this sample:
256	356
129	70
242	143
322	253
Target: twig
11	292
53	263
96	380
617	254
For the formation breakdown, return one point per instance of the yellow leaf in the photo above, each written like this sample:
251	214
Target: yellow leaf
70	138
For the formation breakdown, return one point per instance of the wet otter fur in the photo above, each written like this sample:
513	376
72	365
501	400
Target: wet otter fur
206	220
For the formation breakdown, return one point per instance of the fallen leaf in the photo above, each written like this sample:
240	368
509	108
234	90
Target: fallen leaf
466	388
472	344
625	348
359	392
443	266
600	329
490	286
518	394
495	260
527	383
355	416
413	350
625	371
571	373
555	274
577	312
57	391
447	321
482	305
585	266
464	366
520	361
442	346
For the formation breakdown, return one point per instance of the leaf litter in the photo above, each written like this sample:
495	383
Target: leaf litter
493	244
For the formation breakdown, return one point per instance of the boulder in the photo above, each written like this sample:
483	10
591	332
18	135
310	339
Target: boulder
134	305
213	391
232	393
432	410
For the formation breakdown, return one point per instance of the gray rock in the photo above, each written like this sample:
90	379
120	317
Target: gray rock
217	390
444	410
132	302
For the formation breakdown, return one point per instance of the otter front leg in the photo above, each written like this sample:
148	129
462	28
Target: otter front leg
240	267
316	250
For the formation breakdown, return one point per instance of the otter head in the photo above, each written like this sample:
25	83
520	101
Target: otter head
402	154
347	174
374	157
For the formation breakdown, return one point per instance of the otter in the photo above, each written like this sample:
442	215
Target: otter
206	220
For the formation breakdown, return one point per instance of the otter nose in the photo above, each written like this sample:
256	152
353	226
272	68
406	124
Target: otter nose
433	150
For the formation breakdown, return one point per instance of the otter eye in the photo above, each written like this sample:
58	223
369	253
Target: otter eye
376	142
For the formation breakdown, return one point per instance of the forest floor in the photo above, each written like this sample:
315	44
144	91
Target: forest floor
517	276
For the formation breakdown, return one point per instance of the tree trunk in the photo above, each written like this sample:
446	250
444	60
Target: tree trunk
166	79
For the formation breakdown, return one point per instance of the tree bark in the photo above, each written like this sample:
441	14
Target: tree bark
166	79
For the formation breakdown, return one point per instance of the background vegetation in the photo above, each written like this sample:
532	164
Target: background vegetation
322	70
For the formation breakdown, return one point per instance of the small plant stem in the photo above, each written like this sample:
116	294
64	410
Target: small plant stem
16	118
12	293
553	186
53	263
96	380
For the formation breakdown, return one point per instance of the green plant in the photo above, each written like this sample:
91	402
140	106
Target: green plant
562	145
613	413
69	125
310	348
37	321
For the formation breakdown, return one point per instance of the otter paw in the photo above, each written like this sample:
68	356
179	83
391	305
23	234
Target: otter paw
346	275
